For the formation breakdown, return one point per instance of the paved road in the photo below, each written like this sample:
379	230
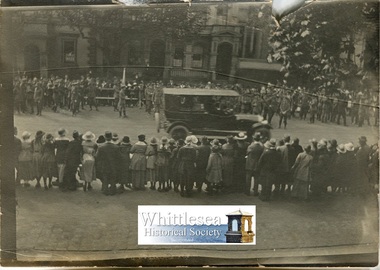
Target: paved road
57	226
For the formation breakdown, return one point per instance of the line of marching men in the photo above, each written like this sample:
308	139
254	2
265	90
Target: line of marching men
275	167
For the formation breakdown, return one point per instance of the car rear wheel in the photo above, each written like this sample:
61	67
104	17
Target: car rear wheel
179	132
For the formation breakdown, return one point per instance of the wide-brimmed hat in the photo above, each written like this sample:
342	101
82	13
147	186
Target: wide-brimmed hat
49	136
363	139
241	136
188	139
341	148
271	144
115	137
172	142
349	147
62	132
26	135
89	136
194	139
153	141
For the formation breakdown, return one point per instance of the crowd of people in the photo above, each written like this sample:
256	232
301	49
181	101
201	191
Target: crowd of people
56	93
276	167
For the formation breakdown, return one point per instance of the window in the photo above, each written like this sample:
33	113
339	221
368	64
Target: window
178	57
69	51
197	61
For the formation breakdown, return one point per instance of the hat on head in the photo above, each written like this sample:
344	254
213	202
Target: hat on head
188	140
204	139
49	136
101	139
126	139
241	136
287	138
26	135
341	148
307	148
194	139
62	132
257	136
115	137
181	142
89	136
363	139
108	135
76	134
153	141
271	144
349	146
172	142
141	137
164	139
39	134
334	143
215	148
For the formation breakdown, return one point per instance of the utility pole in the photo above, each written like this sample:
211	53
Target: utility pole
7	162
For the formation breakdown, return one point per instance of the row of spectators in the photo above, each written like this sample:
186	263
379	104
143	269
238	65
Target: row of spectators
265	167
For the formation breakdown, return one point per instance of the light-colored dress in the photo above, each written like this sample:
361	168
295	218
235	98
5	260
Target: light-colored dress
301	175
138	164
88	161
214	168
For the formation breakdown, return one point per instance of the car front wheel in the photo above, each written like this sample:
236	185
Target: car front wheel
179	132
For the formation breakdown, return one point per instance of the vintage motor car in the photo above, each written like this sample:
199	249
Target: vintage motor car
208	112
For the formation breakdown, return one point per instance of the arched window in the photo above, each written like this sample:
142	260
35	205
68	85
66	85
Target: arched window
197	61
234	225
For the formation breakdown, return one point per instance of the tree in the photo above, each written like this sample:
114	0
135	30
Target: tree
316	45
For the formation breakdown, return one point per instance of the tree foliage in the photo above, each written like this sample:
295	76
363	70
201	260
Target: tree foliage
317	45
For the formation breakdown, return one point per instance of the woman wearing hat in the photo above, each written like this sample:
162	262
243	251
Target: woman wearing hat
239	162
138	163
89	148
25	166
125	150
187	157
61	144
340	169
214	168
162	164
37	157
320	168
49	164
268	166
355	184
302	174
228	154
151	158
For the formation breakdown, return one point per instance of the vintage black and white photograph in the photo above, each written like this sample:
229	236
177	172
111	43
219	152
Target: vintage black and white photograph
106	110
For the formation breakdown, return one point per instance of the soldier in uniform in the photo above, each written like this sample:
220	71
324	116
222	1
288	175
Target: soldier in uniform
91	95
38	97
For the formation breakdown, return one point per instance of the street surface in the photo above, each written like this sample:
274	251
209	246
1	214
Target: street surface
62	226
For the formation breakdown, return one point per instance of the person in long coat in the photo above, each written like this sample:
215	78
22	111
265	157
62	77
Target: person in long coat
340	170
125	151
302	174
203	153
89	148
138	163
228	154
254	152
109	158
72	161
362	156
122	104
214	168
61	144
187	157
176	176
49	164
172	145
151	158
25	166
320	169
162	165
287	161
239	161
38	97
268	169
355	184
37	156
